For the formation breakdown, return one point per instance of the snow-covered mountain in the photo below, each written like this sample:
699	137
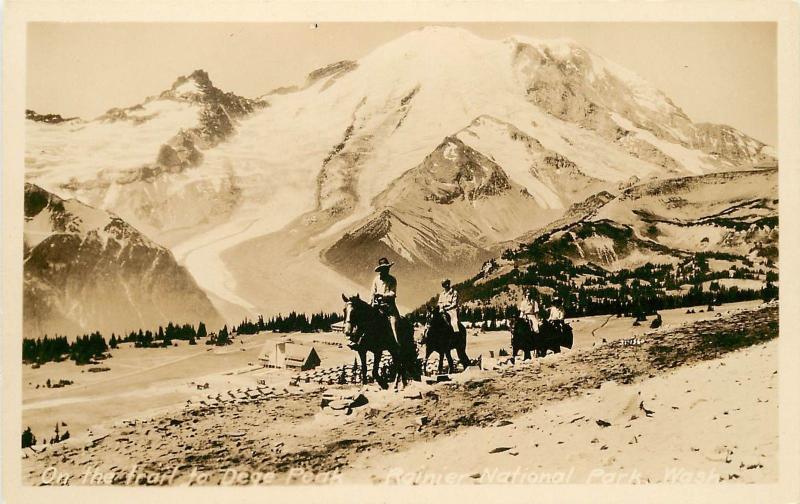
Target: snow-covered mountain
432	149
137	161
443	217
87	270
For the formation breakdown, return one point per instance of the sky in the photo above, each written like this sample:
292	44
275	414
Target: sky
716	72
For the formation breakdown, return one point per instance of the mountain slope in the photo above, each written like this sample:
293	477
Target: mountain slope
441	218
574	84
142	161
316	165
86	270
731	217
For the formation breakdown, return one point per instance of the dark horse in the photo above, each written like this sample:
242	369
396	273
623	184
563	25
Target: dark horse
440	338
369	331
552	335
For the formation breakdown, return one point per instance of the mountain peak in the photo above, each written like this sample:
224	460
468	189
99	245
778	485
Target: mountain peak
198	83
442	32
200	75
431	42
32	115
456	171
561	46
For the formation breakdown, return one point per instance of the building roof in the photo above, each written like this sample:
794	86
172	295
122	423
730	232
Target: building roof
295	352
292	352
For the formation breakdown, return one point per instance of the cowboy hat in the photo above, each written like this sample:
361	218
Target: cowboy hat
446	281
383	263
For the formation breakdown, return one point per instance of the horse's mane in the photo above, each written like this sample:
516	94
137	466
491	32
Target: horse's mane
369	312
436	318
360	303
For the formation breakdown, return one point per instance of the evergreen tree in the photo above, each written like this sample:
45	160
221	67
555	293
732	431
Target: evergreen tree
28	439
769	292
223	338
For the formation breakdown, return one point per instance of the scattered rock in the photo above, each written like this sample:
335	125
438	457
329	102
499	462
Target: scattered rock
358	401
339	404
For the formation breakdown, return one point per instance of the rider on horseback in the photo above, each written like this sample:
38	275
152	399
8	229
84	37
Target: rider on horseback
555	315
448	304
556	312
529	310
384	294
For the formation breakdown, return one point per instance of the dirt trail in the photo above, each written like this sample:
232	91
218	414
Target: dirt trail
286	433
606	321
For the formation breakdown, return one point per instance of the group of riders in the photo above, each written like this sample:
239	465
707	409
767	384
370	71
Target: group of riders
376	326
384	298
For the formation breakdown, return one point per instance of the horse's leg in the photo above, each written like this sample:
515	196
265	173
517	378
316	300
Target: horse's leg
463	357
428	352
461	348
362	354
376	364
397	365
450	364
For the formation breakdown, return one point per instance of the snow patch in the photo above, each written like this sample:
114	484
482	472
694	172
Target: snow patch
398	247
188	87
692	161
450	152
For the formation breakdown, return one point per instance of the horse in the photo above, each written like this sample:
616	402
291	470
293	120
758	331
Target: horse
439	337
552	335
369	331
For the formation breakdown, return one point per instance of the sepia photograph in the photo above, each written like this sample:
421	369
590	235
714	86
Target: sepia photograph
404	253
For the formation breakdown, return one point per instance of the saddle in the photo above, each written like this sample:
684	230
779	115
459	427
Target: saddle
383	308
529	324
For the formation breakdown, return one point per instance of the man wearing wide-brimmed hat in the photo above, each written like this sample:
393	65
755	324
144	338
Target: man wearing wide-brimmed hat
384	293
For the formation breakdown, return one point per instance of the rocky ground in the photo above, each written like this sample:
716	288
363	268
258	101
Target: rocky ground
287	438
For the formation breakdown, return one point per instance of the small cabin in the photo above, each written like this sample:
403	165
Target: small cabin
289	356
